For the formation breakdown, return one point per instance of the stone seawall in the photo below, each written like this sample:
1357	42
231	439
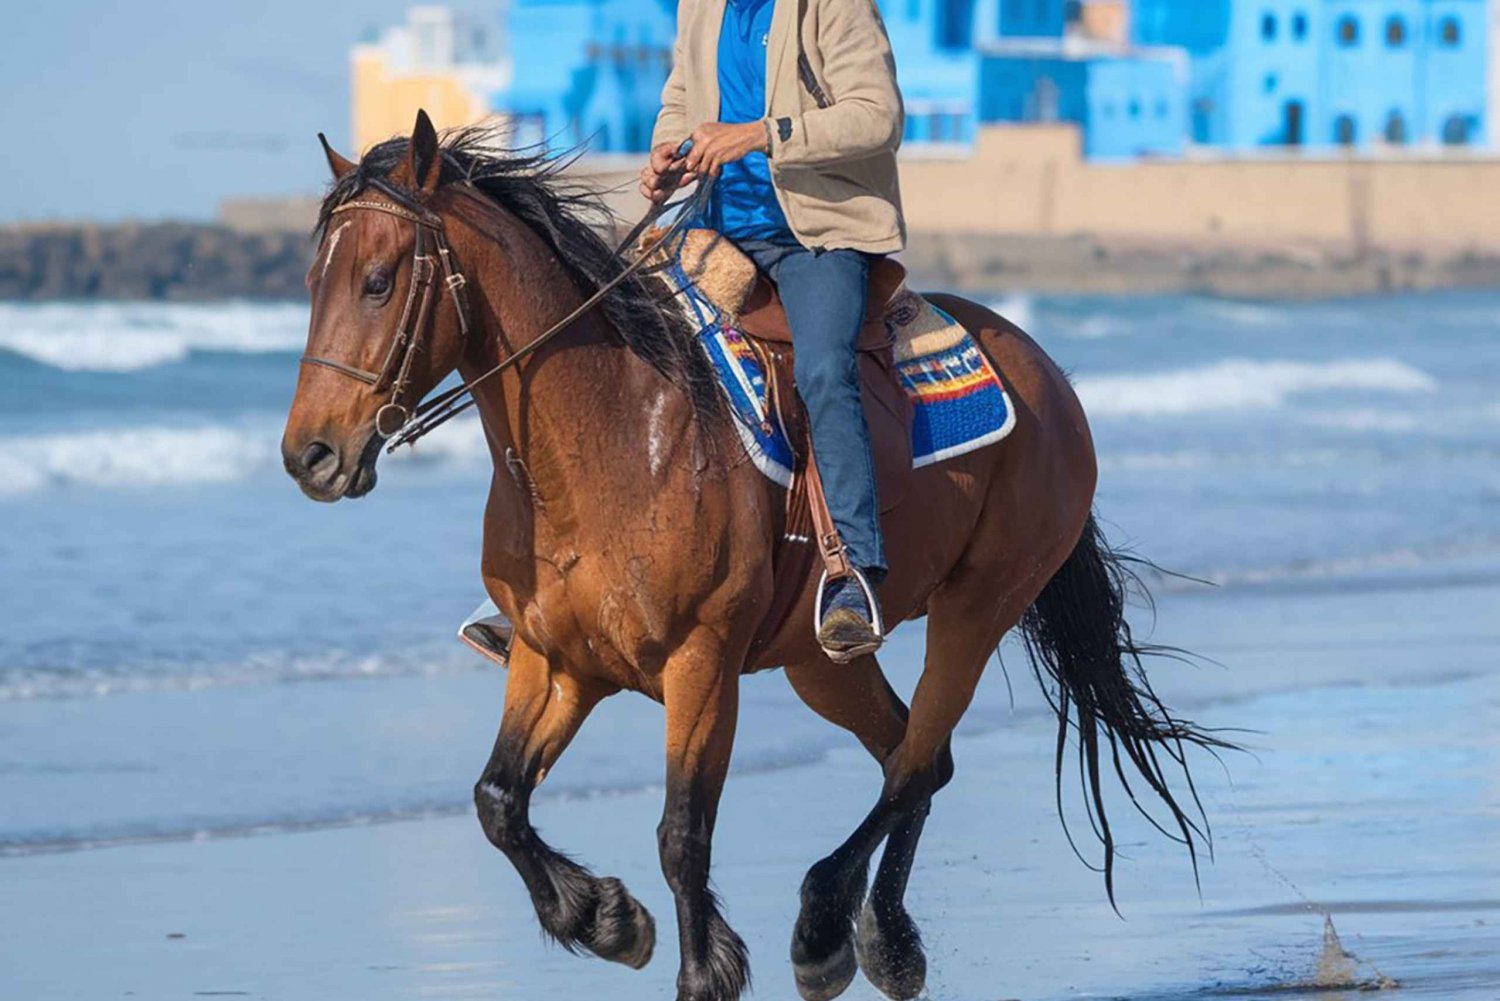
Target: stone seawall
180	261
151	261
983	263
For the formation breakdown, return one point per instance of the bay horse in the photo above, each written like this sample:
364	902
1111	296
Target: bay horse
630	543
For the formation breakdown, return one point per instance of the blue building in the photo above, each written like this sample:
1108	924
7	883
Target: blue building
1146	78
588	71
968	63
592	70
1324	73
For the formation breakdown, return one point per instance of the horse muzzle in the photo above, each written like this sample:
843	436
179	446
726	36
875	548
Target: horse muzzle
326	472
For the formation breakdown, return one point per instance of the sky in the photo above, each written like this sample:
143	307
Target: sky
160	109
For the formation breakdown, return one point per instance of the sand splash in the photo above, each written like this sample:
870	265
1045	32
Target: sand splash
1339	969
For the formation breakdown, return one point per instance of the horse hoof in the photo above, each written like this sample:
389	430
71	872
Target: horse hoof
827	978
890	953
623	931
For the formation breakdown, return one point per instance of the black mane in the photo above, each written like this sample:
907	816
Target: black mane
529	184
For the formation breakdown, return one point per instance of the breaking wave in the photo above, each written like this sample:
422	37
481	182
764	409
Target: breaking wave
1242	384
128	337
157	456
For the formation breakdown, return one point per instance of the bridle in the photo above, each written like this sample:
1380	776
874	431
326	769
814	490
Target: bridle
406	424
395	372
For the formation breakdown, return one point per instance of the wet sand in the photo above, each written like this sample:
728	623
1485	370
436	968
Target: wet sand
1369	794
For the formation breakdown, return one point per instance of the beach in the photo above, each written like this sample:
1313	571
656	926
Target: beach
236	744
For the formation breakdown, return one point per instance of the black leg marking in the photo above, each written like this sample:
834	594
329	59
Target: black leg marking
888	942
577	909
889	945
715	961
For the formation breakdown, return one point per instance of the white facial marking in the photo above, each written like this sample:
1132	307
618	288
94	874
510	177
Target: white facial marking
333	243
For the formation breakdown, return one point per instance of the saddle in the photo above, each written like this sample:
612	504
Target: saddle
748	301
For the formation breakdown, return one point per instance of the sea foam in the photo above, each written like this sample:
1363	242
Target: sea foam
128	337
1242	384
157	456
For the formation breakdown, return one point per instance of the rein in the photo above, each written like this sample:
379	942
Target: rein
450	403
395	421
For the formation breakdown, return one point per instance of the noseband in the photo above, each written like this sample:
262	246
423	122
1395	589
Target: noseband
430	254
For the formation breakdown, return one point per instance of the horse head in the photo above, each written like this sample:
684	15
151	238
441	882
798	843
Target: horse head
388	316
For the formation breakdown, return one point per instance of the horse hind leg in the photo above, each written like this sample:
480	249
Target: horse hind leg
826	947
888	944
578	910
965	621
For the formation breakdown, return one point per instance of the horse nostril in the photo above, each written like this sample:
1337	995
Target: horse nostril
319	459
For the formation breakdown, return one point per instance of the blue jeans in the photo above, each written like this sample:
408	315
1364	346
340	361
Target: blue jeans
824	295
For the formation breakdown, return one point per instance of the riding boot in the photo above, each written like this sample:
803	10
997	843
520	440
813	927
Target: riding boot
849	623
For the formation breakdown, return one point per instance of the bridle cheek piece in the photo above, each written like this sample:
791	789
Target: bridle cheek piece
416	315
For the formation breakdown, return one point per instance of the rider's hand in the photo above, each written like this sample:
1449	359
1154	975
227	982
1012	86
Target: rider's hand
664	173
715	144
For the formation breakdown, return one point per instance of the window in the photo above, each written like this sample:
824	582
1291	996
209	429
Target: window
1268	27
1202	112
1395	129
1344	131
1299	26
1161	108
1135	108
1458	130
1395	32
1293	114
1450	32
1348	30
1270	83
955	24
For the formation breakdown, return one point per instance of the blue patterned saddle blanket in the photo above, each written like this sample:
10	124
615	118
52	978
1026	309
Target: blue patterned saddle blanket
959	403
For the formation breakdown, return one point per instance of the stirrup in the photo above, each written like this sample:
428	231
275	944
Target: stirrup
877	621
488	633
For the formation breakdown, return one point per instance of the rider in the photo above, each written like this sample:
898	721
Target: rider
799	124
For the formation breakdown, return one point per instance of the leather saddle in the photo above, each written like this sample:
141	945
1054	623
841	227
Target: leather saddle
761	318
748	301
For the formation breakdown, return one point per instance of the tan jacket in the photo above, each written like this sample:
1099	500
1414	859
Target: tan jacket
833	136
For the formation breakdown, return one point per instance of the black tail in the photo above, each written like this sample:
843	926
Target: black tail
1077	635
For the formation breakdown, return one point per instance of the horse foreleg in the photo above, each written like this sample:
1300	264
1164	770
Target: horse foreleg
701	689
543	711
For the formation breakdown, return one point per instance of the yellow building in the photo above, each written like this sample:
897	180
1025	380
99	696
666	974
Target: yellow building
1104	20
439	60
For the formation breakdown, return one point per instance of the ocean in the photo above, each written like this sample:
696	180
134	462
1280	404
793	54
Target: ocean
191	651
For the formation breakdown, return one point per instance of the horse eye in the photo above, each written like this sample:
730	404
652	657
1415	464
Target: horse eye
377	282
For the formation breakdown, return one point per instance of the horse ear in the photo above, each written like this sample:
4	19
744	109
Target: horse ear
336	163
426	162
